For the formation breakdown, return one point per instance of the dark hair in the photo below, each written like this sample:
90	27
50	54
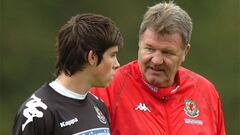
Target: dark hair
81	34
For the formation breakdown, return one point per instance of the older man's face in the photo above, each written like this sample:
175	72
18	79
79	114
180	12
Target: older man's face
160	56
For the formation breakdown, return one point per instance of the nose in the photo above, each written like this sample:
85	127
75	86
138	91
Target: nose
157	58
116	65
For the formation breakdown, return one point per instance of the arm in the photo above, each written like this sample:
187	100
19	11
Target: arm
221	128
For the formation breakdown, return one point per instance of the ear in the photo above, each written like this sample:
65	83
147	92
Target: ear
92	58
186	50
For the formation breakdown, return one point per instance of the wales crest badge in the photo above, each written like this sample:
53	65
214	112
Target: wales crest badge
100	115
190	108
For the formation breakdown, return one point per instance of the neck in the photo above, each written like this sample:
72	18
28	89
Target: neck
78	83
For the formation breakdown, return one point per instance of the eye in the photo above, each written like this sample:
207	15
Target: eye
114	55
168	53
149	49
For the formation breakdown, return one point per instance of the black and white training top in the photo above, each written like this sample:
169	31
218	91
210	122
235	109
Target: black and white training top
53	110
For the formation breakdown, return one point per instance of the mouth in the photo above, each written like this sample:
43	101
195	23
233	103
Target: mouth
156	70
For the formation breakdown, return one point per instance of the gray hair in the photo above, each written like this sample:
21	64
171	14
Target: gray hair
167	18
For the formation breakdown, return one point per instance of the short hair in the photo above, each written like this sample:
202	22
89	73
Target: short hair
167	18
81	34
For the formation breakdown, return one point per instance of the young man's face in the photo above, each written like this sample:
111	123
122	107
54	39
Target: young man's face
160	56
107	68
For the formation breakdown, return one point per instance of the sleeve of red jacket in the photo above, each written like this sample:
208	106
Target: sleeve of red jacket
211	96
221	128
218	110
219	116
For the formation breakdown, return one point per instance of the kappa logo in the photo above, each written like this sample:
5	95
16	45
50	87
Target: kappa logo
32	111
190	108
69	122
142	107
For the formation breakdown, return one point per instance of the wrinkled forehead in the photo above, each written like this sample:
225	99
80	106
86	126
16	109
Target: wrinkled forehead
161	31
155	35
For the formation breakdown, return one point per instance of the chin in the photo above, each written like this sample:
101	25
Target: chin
155	81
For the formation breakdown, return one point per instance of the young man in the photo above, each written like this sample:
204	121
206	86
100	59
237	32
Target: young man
155	95
87	46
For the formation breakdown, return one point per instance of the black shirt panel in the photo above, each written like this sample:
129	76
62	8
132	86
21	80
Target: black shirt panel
47	112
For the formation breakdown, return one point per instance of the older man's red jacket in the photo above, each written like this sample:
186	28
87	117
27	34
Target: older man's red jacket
190	107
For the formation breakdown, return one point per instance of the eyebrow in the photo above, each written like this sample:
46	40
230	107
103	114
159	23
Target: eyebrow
115	51
147	44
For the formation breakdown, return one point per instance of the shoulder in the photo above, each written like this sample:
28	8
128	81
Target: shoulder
94	98
129	67
201	83
33	113
39	99
194	76
99	103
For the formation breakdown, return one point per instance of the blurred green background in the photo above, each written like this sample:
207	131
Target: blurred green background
29	27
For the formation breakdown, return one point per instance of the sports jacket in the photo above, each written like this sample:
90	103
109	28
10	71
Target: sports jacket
190	107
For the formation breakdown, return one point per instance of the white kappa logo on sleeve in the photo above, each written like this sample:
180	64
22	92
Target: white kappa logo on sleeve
31	110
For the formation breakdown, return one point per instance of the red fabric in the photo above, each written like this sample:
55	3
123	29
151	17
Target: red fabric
162	112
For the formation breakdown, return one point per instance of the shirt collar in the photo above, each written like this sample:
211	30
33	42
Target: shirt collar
59	88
